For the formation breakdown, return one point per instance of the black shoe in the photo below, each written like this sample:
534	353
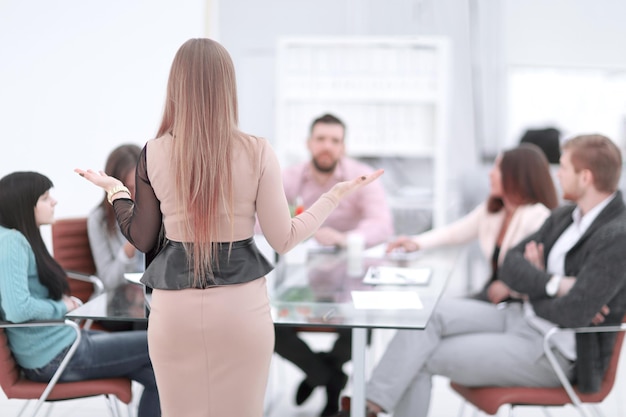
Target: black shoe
333	389
306	387
304	392
345	409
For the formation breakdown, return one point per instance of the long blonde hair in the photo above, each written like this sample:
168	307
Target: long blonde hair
201	114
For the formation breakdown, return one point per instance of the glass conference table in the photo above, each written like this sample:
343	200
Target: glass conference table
328	290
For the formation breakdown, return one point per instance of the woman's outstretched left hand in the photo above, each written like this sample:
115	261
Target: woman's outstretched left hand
102	180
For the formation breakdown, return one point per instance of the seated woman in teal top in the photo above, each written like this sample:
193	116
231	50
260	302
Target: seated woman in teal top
33	286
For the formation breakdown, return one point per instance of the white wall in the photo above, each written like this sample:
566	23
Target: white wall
566	66
576	33
78	78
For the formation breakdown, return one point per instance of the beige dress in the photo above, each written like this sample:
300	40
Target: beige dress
211	347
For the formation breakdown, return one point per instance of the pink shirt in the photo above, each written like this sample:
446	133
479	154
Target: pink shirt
365	211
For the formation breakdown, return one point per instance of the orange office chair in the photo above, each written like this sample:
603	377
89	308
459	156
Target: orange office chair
15	386
71	249
489	399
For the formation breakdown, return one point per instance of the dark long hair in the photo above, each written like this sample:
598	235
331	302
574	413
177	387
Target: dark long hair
526	178
121	162
19	193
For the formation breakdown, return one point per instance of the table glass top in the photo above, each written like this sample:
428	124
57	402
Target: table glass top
327	290
127	302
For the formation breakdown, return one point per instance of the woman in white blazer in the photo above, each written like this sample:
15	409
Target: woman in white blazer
521	197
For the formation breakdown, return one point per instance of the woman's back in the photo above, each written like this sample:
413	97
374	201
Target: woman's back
247	167
257	191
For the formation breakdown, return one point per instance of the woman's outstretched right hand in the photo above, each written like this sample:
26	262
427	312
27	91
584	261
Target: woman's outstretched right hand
342	189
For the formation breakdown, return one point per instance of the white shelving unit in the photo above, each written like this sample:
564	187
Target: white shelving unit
390	92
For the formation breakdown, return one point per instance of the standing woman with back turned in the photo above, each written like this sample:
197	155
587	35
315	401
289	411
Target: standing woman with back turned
211	335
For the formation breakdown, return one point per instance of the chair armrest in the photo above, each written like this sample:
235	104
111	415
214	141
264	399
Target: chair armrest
599	329
98	286
33	323
547	348
68	356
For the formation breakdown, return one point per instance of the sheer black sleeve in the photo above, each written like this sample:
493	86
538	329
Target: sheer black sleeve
140	220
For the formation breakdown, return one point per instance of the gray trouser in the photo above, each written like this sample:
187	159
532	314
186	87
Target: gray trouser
471	342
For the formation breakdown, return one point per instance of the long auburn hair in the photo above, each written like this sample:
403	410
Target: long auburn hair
526	178
121	162
202	116
19	193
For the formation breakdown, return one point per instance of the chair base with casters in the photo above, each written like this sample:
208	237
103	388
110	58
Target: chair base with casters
490	399
16	386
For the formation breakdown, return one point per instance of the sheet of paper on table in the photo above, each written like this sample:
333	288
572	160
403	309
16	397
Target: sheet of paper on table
133	277
387	300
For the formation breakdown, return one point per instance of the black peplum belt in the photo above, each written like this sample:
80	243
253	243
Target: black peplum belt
170	269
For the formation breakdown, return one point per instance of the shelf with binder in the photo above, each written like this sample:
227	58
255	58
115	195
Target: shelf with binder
374	128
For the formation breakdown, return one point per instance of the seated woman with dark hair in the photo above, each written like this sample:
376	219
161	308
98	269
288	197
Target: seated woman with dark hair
521	197
33	286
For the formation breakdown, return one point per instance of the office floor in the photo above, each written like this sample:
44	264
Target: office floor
285	377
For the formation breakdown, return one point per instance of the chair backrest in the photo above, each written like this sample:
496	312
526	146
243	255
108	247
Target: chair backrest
70	245
9	370
610	374
71	249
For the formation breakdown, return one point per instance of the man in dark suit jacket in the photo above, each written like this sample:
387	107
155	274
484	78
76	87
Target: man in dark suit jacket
591	283
570	273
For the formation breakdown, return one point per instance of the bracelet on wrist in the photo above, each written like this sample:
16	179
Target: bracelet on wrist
115	190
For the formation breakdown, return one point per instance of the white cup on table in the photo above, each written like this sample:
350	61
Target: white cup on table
355	246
